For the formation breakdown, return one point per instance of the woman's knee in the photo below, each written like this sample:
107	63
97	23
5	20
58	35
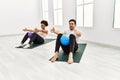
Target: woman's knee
27	33
34	33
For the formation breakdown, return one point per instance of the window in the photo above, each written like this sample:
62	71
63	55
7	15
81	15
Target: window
58	16
85	13
117	14
45	9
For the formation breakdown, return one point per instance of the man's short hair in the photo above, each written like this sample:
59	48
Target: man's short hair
72	20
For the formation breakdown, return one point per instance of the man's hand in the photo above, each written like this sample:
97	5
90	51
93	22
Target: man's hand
52	30
77	32
56	31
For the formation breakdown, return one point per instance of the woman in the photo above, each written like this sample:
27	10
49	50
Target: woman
36	35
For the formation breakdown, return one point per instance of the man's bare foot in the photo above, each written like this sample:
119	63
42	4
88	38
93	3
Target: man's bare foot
54	58
70	59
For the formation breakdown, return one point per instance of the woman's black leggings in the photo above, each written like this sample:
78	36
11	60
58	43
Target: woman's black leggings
72	47
35	38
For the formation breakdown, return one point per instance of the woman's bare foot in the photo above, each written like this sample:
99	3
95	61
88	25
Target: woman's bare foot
54	58
70	59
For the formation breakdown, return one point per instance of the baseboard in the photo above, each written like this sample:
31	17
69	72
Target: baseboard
11	35
102	44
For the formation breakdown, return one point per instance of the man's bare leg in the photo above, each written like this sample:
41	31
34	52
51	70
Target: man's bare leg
54	58
70	58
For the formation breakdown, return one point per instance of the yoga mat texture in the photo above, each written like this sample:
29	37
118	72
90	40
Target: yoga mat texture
76	56
36	45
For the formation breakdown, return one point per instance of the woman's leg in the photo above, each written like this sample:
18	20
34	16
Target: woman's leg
23	41
33	38
38	40
24	38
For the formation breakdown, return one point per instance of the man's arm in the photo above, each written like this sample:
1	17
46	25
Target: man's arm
56	31
77	32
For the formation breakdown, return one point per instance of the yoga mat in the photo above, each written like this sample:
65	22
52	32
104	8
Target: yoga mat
76	56
36	45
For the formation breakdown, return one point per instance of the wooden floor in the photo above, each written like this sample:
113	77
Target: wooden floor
98	63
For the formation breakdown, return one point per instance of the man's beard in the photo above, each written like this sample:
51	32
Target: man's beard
71	28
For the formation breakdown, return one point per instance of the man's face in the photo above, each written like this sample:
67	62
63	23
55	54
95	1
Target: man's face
71	25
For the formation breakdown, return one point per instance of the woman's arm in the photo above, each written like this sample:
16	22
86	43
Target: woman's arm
36	30
44	31
30	30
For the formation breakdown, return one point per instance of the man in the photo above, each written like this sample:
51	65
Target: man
74	34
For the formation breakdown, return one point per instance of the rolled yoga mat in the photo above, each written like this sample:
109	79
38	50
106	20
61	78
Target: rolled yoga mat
63	57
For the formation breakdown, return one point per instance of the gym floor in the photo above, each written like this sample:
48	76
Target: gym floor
98	62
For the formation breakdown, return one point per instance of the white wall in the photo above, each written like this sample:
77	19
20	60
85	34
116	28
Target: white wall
103	31
16	14
68	11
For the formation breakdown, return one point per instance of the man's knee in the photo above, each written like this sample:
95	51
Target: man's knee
72	36
59	36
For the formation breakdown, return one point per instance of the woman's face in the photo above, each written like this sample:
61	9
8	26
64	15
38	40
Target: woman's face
43	26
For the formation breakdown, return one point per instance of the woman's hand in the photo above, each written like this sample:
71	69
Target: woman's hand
36	30
25	29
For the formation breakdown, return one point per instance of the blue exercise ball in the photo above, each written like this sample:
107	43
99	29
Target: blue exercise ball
65	40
